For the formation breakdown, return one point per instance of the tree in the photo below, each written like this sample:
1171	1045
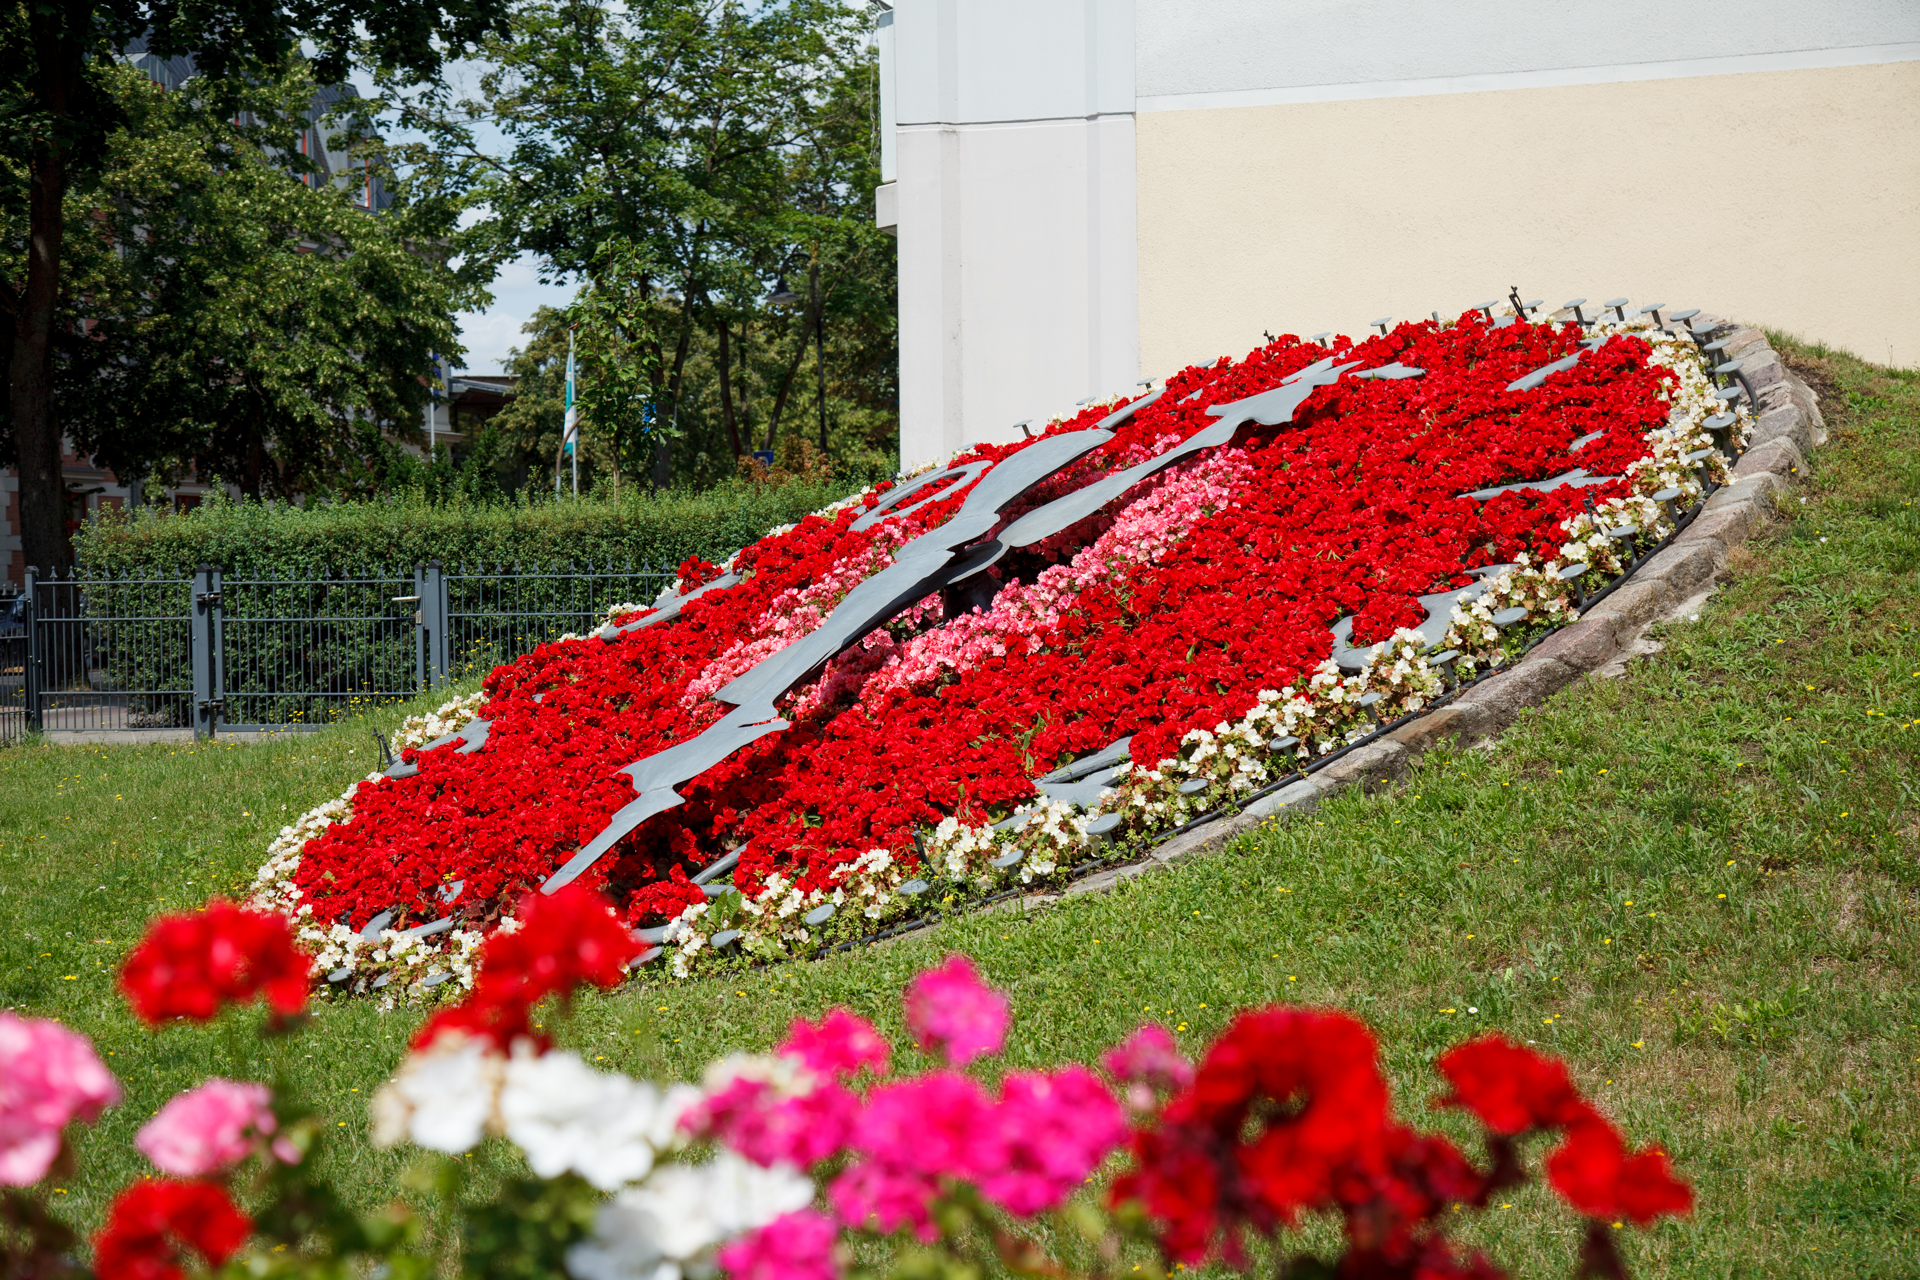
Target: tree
679	156
58	106
240	319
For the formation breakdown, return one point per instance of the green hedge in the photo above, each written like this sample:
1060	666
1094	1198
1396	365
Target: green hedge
393	535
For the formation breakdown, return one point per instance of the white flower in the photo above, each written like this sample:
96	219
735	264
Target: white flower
568	1117
670	1226
443	1097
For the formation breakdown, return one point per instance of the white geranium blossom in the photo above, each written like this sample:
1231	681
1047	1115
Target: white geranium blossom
670	1226
568	1117
443	1097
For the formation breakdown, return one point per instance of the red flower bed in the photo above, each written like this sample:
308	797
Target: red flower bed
1354	508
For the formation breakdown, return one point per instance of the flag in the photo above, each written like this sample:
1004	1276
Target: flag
572	432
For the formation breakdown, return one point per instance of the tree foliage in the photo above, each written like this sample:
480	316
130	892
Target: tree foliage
60	102
680	157
227	313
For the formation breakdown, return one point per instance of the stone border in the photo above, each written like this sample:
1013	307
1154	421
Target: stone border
1787	426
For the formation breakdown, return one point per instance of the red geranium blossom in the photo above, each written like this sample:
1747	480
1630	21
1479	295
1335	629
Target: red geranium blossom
154	1223
1509	1087
563	940
1593	1172
1308	1082
189	965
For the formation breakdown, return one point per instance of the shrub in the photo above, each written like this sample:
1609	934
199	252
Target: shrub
393	535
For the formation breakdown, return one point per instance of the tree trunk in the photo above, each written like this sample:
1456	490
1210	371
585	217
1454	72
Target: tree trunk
786	383
677	378
726	392
253	473
43	498
746	418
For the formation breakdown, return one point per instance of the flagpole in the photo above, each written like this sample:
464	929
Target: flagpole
572	433
433	365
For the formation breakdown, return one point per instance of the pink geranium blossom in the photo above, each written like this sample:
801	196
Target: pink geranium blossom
840	1045
950	1009
207	1129
885	1198
48	1077
1051	1130
1149	1060
768	1127
912	1134
795	1246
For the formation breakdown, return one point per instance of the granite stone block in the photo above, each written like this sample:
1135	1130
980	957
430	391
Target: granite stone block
1685	567
1370	767
1532	682
1585	645
1787	422
1633	604
1297	797
1780	458
1460	724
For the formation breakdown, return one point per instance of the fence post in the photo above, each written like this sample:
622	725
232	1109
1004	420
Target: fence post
204	635
433	607
30	676
419	628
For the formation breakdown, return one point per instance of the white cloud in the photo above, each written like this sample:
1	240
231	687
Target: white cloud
517	293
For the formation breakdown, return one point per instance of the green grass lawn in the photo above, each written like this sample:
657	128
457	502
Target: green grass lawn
1700	884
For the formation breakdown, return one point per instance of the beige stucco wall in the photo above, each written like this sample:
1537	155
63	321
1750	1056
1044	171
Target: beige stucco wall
1789	198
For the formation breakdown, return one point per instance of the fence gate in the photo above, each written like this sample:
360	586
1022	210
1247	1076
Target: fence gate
301	652
110	653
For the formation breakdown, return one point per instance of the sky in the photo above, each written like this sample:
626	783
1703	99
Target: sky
517	292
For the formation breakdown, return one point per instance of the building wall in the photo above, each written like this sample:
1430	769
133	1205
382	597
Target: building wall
1090	190
1014	155
1312	166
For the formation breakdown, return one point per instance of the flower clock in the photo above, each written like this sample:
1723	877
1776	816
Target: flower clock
1039	656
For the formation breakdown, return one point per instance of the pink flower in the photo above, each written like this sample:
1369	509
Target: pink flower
840	1045
753	1118
949	1008
48	1077
885	1198
1052	1131
795	1246
1150	1057
208	1129
912	1134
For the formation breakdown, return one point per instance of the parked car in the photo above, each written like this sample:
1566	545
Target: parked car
13	646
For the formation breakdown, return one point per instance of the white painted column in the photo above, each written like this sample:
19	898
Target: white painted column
1014	158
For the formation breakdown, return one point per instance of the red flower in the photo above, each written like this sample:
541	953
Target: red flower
1509	1087
1309	1083
695	572
1593	1172
153	1224
563	940
189	965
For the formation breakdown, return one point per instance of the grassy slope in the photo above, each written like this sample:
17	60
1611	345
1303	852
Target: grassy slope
1698	884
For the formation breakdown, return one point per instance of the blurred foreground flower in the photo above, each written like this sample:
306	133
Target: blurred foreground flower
155	1229
49	1076
211	1128
188	966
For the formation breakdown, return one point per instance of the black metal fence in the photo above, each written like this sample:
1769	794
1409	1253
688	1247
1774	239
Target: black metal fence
206	652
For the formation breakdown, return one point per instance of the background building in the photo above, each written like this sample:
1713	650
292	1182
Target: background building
1091	192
